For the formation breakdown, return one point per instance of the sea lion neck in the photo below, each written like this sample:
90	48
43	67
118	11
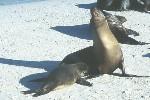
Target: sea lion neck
104	33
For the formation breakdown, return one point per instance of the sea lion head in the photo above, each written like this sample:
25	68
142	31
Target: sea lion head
97	15
83	68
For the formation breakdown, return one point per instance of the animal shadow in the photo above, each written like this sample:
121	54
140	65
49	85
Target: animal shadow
86	6
147	55
128	75
47	65
80	31
12	2
25	81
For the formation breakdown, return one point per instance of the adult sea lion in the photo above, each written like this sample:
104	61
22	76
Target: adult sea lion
65	74
106	48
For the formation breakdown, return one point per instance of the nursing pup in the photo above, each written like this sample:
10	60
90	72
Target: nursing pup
65	74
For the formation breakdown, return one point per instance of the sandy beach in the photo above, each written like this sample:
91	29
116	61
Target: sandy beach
35	35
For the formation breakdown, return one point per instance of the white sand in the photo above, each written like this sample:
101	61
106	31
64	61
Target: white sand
35	35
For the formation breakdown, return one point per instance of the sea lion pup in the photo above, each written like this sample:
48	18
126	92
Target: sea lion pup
106	47
65	74
120	32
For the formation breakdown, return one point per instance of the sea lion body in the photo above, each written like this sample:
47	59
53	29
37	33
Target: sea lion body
106	47
85	55
65	74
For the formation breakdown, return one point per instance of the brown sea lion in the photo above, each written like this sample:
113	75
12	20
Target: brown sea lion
65	74
106	48
120	32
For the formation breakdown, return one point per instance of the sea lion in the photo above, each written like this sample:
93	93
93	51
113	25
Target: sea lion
106	47
65	74
121	33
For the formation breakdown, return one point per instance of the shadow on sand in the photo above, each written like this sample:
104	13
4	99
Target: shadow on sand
47	65
146	55
80	31
12	2
86	6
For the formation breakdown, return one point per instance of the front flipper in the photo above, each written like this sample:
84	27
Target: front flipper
82	81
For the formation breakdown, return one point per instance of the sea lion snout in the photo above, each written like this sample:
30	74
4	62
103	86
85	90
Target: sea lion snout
97	14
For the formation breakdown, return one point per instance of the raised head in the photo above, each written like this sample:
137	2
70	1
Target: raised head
97	14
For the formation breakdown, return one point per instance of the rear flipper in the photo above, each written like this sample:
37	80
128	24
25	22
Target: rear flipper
82	81
40	92
37	92
131	32
44	90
